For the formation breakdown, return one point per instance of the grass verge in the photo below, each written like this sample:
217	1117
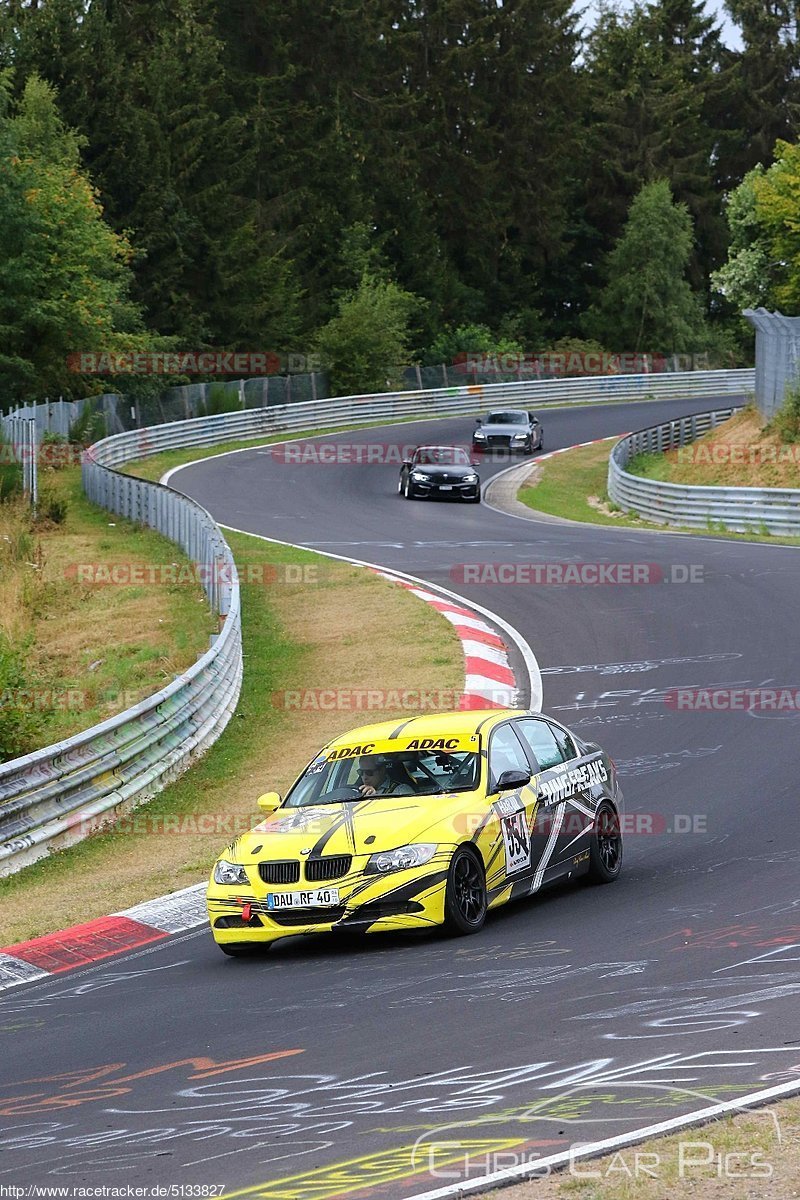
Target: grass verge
742	452
84	650
573	485
753	1154
337	628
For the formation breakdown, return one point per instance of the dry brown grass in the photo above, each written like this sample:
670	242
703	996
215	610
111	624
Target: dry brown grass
91	651
755	457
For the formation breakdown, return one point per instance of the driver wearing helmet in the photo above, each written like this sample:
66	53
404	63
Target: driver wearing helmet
375	780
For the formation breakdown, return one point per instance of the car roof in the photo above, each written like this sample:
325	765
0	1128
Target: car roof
441	447
460	724
522	411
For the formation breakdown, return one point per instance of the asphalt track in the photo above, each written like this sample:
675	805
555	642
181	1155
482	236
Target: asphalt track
335	1068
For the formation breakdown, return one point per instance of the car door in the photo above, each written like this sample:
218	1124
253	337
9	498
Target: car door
568	787
514	856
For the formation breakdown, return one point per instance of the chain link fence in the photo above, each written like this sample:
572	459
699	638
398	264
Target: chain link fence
777	357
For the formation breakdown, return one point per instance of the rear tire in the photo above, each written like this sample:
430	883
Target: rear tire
605	853
465	901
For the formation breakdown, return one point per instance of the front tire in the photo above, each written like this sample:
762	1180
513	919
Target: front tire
605	853
465	901
408	491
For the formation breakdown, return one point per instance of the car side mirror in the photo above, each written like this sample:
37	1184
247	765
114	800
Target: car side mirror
479	420
512	779
269	801
406	462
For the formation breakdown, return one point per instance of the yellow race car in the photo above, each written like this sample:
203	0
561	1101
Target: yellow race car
412	824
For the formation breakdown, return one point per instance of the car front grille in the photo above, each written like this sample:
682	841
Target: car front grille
279	872
320	870
234	922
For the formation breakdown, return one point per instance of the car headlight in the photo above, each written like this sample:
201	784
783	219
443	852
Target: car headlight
401	859
470	479
228	872
520	437
420	478
478	436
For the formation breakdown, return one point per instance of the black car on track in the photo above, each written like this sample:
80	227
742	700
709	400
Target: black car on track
439	471
508	429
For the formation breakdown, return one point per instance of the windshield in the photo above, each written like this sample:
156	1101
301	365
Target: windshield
410	773
448	455
507	418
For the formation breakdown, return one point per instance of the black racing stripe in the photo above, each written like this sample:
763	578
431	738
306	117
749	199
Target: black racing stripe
322	842
396	732
405	891
497	850
482	826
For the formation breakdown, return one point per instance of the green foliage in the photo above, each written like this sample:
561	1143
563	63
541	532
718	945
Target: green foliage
747	278
786	422
256	161
647	304
51	509
777	214
19	722
220	399
63	273
365	345
89	427
467	339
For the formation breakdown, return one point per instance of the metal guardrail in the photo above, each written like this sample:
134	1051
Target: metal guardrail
739	509
362	410
56	795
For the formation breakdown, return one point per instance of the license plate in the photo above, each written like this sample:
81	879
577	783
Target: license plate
445	487
318	898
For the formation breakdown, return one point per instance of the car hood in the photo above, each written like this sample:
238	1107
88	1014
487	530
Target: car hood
438	470
358	827
503	430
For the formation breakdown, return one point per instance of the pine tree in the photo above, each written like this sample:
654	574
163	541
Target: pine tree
647	305
658	82
765	105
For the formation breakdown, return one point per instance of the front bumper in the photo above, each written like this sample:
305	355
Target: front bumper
467	491
412	899
502	443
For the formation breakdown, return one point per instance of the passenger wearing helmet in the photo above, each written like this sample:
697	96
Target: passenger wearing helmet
376	780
